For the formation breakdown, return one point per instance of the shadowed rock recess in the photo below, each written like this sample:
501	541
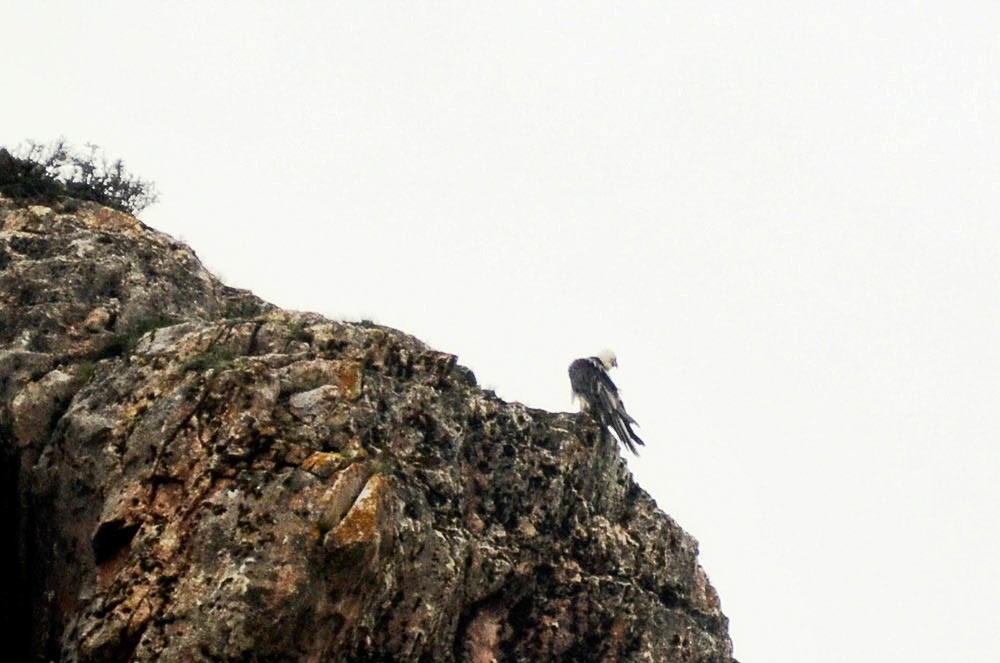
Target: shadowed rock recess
191	474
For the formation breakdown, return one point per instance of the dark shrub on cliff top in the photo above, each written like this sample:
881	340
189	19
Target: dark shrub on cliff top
48	173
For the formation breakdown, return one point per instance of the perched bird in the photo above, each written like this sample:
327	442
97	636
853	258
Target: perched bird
599	395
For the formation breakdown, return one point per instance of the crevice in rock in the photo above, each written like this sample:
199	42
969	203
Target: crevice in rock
479	632
111	537
15	610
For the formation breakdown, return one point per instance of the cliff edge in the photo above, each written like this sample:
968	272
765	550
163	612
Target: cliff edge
192	474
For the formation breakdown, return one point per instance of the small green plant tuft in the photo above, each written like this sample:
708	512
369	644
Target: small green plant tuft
127	337
299	332
217	356
384	464
85	370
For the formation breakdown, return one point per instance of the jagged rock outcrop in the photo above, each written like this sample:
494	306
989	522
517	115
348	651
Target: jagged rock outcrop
192	474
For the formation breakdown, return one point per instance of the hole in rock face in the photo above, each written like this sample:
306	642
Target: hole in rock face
112	536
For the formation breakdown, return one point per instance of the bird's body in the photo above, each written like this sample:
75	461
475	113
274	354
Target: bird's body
599	395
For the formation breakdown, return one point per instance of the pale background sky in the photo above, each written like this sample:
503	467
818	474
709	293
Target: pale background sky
781	215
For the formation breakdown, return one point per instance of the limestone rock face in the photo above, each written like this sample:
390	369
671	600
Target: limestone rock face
191	474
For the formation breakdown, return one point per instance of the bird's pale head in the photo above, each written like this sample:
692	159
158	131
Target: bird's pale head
608	359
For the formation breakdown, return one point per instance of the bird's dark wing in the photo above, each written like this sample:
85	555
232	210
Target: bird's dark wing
617	417
584	378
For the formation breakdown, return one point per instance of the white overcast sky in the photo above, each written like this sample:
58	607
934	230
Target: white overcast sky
782	216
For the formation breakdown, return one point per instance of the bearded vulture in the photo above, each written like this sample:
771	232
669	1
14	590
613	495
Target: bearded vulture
599	395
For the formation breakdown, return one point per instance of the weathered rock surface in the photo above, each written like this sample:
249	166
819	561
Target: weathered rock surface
191	474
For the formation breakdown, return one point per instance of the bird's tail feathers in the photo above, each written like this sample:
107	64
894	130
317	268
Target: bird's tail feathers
624	432
630	446
635	437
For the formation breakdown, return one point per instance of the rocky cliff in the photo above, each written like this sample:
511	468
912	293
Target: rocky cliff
189	473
